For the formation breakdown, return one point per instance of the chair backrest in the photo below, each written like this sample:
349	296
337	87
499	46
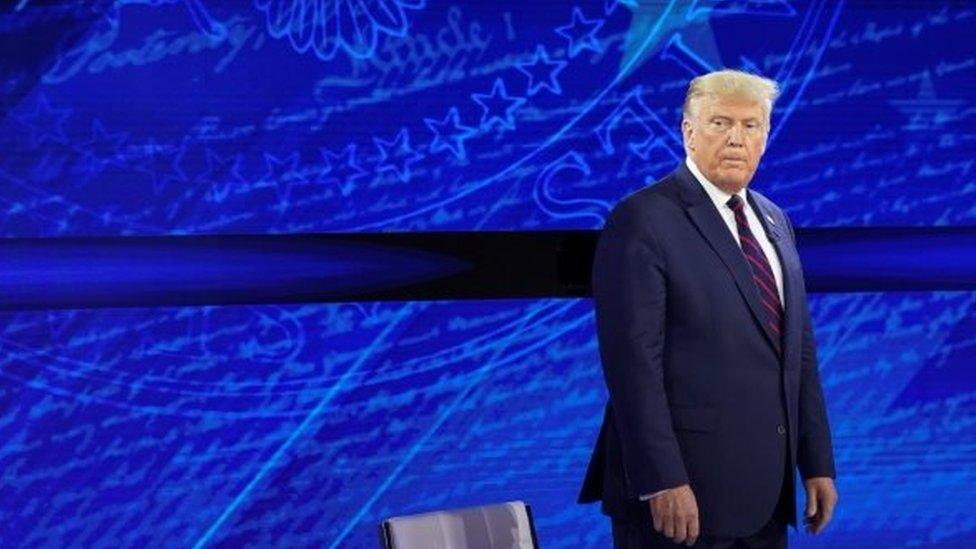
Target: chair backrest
503	525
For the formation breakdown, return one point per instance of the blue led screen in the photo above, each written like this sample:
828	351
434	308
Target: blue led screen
307	424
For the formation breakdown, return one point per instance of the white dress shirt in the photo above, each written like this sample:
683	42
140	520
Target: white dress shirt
719	198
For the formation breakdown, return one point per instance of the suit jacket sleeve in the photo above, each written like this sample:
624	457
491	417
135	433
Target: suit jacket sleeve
629	293
815	456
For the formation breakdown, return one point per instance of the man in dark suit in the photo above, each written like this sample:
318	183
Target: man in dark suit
706	346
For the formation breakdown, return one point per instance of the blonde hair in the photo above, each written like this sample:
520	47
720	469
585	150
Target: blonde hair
731	84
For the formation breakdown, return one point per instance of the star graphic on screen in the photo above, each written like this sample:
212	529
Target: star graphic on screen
659	28
163	163
581	33
342	168
397	155
45	122
223	174
498	107
542	72
927	111
449	134
102	148
282	174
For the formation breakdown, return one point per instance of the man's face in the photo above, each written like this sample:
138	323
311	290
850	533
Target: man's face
726	138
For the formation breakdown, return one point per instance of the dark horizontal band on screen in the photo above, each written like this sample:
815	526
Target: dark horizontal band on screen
57	273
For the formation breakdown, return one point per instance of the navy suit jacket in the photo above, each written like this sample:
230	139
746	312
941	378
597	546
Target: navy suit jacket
698	393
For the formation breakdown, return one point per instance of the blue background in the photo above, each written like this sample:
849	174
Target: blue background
306	425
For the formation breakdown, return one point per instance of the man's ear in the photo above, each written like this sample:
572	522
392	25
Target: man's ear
688	134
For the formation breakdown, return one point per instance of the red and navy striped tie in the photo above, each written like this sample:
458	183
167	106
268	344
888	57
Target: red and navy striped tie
762	273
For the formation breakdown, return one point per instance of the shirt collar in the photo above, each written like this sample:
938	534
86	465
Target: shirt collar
719	197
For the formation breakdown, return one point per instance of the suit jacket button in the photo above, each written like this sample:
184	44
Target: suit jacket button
781	429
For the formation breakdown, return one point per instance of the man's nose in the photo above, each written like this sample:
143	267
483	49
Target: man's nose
734	137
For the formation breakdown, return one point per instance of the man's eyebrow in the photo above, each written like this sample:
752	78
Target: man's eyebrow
729	118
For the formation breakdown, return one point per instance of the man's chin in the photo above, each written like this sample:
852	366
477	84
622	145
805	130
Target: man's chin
733	183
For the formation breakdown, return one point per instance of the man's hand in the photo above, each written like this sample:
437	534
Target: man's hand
675	514
821	500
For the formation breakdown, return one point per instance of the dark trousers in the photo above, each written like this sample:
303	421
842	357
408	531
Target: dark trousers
641	534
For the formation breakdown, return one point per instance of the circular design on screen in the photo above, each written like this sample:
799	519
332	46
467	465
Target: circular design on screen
328	26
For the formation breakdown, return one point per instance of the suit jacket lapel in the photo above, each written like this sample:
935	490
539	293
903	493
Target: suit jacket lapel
709	222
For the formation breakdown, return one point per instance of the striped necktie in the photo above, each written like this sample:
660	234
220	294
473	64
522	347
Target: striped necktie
762	273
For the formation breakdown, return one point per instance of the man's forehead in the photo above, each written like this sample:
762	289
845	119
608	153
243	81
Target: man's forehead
733	107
